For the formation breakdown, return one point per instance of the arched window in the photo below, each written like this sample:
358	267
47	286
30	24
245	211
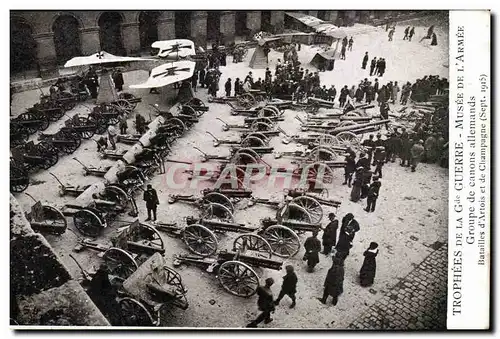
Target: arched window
110	33
66	38
22	46
213	26
240	24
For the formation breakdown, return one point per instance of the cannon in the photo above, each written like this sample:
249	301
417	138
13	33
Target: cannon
32	121
240	157
98	172
85	126
51	110
245	100
66	140
129	100
46	218
258	125
211	204
92	219
251	140
33	156
270	112
19	134
19	179
294	193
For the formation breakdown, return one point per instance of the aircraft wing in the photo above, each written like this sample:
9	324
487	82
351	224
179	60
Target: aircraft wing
100	58
168	74
177	48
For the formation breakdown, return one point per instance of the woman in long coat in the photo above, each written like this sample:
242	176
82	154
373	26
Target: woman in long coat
357	184
367	272
334	282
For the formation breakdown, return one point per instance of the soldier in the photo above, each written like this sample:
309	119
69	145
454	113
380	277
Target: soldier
406	152
379	160
123	124
112	136
384	113
313	247
417	151
372	66
391	34
358	183
334	282
202	77
363	161
365	184
365	61
342	53
407	30
102	144
412	33
265	303
227	87
332	93
431	151
373	192
140	124
289	286
152	202
344	92
351	42
349	169
194	81
369	145
330	234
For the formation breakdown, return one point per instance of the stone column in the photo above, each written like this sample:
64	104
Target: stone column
227	26
332	16
199	28
278	21
131	38
166	26
253	21
46	54
90	40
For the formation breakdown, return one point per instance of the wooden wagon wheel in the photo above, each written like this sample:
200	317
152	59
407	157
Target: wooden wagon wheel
124	106
311	205
50	155
99	121
130	98
259	135
352	114
19	179
170	277
284	242
252	141
118	196
346	123
246	100
73	138
240	176
321	153
238	278
215	197
88	223
260	126
348	139
68	101
90	127
293	212
30	128
268	111
318	172
217	211
120	263
179	125
148	236
52	217
200	240
254	243
134	313
243	158
326	140
248	151
196	102
42	124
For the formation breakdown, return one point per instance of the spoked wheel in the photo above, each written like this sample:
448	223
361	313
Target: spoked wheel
260	126
252	141
243	158
187	109
252	243
238	278
134	313
318	173
326	140
54	219
124	106
322	153
68	101
147	236
200	240
348	139
352	114
73	141
346	123
130	98
88	223
19	179
293	212
179	126
217	211
99	121
214	197
284	242
246	100
171	278
264	120
268	112
118	196
311	205
196	102
248	151
50	157
120	263
235	175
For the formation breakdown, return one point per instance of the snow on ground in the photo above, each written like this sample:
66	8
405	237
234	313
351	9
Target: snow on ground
411	212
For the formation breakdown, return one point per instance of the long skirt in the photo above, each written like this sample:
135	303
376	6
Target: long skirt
355	193
367	272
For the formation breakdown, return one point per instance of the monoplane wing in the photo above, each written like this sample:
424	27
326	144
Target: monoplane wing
174	49
168	74
100	58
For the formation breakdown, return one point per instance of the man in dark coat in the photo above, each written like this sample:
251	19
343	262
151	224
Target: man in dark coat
369	267
365	61
237	89
92	82
365	185
384	113
344	92
194	81
373	63
313	247
379	160
434	41
152	202
342	53
351	42
334	282
373	192
369	145
332	93
265	303
118	80
289	286
227	87
363	161
330	234
407	144
412	33
202	77
407	30
349	169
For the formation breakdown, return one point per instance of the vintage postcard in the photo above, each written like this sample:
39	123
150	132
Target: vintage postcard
250	169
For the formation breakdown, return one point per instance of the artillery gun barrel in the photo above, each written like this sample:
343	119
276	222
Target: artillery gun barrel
359	126
355	118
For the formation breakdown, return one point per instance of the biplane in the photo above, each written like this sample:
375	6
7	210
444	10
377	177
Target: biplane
168	73
100	58
174	49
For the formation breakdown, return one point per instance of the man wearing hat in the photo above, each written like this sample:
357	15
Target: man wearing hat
289	286
265	303
313	247
373	192
330	234
379	160
363	161
151	199
417	151
369	145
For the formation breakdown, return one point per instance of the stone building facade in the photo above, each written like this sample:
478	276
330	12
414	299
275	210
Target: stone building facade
41	41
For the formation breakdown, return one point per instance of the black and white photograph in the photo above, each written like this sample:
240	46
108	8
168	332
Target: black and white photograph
245	169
